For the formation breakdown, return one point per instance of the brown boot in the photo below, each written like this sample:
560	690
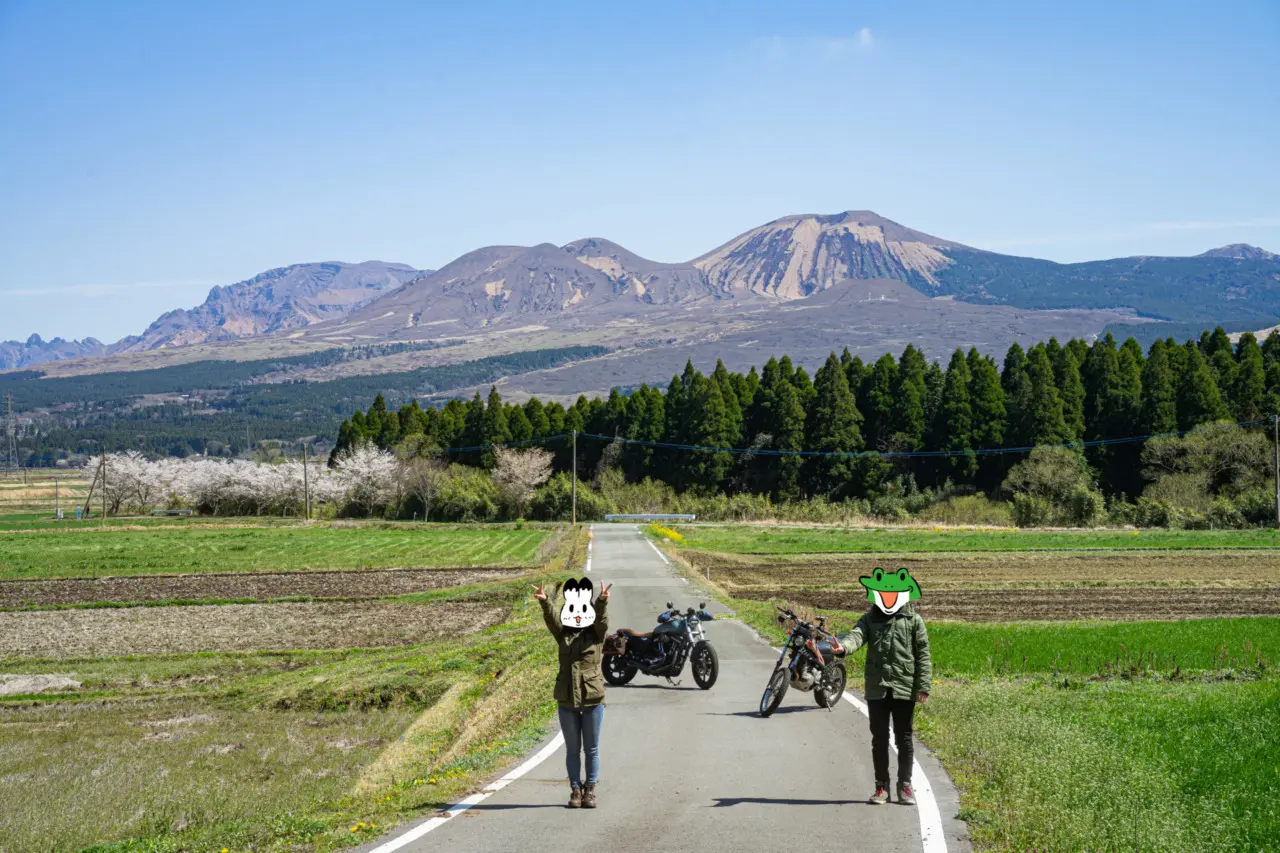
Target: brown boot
575	798
589	797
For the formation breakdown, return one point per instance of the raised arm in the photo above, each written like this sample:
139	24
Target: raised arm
548	615
601	626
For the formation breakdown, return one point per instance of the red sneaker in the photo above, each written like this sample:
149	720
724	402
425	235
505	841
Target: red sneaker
905	795
881	796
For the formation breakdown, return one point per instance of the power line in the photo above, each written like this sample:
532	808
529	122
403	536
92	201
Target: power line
903	454
895	454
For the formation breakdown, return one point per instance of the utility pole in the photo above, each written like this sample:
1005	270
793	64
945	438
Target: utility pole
573	488
10	431
306	486
1275	443
104	490
57	513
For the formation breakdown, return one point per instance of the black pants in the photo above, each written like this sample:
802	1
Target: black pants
903	712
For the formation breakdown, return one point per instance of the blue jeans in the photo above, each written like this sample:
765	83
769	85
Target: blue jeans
581	727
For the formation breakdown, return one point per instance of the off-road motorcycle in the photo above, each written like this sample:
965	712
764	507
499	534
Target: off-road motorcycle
813	665
679	637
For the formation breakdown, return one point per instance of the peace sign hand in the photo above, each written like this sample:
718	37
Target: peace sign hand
538	592
604	593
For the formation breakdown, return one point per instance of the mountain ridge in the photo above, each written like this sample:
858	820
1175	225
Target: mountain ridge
597	288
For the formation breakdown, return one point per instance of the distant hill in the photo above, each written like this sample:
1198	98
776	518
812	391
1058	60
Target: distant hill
1241	251
766	284
276	300
34	350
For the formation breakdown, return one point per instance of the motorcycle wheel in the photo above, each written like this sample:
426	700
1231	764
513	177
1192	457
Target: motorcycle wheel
617	671
773	694
706	664
833	682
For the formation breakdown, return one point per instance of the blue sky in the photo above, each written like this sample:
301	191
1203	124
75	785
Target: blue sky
151	150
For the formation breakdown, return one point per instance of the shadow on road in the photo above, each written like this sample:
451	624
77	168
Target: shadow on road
655	687
502	807
766	801
794	709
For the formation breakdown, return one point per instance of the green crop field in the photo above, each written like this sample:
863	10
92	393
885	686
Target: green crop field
198	548
1068	735
744	539
305	747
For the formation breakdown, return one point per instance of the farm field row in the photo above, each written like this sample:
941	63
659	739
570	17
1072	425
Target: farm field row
199	548
361	699
1074	722
755	539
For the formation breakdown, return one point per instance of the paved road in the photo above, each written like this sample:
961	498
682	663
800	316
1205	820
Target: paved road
683	768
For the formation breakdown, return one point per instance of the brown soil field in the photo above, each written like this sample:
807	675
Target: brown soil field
1002	586
144	588
234	627
1107	603
997	570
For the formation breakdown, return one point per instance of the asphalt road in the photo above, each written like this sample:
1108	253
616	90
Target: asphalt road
683	768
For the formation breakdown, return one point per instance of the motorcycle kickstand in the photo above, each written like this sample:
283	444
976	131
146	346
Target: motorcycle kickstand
672	683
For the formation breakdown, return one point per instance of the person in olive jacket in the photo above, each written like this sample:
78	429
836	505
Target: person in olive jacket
899	672
579	629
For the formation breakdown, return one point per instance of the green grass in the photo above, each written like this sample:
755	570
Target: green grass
293	751
1151	736
211	548
274	751
810	540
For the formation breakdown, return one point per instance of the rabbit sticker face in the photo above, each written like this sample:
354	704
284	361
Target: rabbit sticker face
577	611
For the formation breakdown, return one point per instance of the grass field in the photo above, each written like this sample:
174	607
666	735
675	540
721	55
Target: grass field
1063	735
308	724
744	539
238	547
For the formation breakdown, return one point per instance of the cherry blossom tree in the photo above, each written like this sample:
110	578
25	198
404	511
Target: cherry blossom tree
517	473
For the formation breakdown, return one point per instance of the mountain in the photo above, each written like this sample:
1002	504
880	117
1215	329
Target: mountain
797	256
19	354
1240	251
765	285
276	300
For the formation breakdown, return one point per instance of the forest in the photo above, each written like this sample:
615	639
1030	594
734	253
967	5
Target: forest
1061	432
228	410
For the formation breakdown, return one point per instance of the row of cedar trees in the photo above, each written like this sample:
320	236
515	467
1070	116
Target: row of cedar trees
1050	394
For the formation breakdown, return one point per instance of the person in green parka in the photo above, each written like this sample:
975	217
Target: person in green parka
579	629
899	672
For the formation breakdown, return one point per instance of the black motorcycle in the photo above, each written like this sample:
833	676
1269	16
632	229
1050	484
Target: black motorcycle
663	651
813	667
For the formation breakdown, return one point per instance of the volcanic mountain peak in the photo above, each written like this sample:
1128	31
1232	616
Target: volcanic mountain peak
796	256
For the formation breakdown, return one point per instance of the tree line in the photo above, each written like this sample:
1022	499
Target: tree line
1050	394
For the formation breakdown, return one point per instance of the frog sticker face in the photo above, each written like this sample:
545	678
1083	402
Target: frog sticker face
890	590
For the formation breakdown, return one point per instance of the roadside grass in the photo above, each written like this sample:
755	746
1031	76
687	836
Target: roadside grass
1088	736
274	751
210	548
749	539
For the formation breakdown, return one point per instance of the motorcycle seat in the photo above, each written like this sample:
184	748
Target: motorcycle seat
825	650
636	634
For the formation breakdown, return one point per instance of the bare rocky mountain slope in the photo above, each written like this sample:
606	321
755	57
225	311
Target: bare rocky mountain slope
277	300
762	292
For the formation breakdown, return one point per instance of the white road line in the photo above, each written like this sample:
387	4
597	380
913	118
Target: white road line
932	839
931	836
453	811
656	551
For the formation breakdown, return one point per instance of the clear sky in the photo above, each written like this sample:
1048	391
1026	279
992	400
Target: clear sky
151	150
